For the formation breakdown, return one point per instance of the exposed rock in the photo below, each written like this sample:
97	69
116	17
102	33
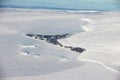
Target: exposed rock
30	35
78	49
54	40
68	47
49	38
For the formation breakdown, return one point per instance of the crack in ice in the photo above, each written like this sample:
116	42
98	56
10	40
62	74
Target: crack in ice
98	62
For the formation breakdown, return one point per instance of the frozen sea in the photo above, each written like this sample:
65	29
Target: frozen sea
95	27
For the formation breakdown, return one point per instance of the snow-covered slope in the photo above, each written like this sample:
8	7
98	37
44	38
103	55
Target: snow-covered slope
24	58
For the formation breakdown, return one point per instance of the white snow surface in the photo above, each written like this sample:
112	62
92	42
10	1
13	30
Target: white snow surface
24	58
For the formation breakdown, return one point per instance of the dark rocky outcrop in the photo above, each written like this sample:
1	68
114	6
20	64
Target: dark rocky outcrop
49	38
78	49
54	40
30	35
